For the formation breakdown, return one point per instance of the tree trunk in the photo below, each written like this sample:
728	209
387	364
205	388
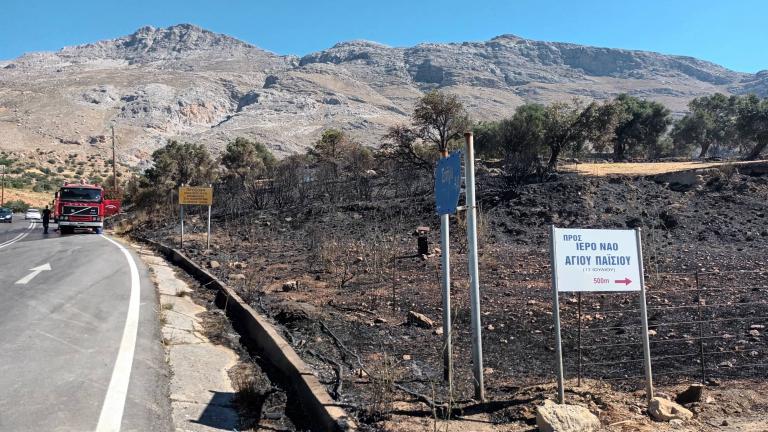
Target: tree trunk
756	150
618	152
704	150
552	164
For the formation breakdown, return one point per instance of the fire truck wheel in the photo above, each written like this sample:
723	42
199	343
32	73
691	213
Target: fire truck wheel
97	230
66	230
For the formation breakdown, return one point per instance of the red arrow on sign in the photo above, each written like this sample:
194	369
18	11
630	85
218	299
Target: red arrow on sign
625	281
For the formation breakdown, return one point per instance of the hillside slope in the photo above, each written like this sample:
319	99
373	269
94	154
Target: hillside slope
187	82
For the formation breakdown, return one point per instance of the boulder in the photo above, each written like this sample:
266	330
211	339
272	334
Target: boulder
419	320
213	265
665	410
690	395
552	417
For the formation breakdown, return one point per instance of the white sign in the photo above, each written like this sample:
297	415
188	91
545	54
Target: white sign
596	260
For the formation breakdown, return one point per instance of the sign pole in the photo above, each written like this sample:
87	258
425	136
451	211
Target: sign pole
181	214
446	262
208	237
644	317
474	283
578	336
556	316
447	191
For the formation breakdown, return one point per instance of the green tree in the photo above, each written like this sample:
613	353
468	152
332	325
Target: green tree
752	124
523	139
440	117
244	159
565	128
640	126
17	206
178	163
331	144
488	140
710	124
689	133
598	123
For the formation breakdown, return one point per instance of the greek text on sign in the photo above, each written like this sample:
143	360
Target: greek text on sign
596	260
195	195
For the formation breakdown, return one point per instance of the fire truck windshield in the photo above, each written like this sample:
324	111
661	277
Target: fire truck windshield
80	194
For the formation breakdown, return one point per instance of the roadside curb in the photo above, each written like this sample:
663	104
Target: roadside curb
314	398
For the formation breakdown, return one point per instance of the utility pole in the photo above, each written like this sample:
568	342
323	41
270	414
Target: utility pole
2	188
114	168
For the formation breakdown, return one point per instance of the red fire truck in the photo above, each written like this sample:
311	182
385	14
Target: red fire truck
82	205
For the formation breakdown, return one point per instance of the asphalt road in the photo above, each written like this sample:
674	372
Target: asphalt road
79	344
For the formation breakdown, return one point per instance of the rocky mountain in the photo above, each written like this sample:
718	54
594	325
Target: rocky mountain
189	83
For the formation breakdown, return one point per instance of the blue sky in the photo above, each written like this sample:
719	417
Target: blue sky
731	33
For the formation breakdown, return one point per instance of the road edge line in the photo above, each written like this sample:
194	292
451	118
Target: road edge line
112	409
18	237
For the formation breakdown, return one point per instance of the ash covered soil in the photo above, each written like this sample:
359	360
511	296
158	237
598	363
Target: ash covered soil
341	280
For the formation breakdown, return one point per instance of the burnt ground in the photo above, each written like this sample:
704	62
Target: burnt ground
339	280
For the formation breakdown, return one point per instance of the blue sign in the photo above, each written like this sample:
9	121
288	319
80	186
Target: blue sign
448	183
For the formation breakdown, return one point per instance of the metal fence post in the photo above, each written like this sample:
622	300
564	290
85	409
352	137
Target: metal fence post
701	329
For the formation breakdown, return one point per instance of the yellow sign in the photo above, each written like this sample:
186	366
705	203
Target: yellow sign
195	195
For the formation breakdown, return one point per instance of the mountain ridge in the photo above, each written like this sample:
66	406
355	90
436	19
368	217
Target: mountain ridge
190	83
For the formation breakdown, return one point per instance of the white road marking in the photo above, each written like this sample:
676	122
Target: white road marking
35	271
18	237
114	402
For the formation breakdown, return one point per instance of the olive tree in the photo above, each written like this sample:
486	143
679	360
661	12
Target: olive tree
440	117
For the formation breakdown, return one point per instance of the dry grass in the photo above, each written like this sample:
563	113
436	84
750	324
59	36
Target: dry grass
644	168
35	199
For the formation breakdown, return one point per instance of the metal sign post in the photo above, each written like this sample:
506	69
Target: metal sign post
556	316
208	237
447	190
644	318
597	260
189	195
474	282
181	214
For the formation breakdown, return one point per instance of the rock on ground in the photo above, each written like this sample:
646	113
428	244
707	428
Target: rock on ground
420	320
552	417
665	410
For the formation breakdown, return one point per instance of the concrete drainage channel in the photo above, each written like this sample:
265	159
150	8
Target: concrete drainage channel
309	404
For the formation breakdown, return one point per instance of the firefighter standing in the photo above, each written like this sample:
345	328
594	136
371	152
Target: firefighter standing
46	219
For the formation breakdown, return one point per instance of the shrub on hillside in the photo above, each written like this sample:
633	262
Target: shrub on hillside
18	206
